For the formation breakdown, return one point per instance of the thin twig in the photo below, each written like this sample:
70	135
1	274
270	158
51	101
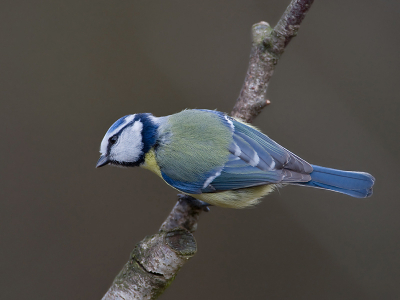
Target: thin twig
268	46
156	260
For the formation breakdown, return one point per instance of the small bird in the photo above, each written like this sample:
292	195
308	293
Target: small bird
218	159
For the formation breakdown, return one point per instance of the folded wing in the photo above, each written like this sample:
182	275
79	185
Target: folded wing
255	159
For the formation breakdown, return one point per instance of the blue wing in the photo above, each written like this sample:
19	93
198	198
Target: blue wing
252	159
255	159
274	155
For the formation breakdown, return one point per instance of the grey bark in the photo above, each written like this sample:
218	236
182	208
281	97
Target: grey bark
267	47
155	261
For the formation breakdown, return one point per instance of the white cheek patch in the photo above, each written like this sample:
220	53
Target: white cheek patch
104	142
129	146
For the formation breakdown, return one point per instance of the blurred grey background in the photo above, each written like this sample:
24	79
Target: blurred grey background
69	69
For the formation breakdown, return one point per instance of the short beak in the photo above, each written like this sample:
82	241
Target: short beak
103	160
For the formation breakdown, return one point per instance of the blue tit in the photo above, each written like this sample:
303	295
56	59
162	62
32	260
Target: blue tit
218	159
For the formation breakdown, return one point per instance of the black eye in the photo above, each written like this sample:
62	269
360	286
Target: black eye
113	140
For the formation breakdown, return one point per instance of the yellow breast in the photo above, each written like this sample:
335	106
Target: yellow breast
150	163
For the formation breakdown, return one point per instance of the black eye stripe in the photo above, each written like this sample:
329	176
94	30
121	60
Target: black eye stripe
112	140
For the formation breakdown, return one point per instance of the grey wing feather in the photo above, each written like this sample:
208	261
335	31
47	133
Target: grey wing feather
256	159
283	158
266	162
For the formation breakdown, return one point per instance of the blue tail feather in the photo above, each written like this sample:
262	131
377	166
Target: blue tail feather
355	184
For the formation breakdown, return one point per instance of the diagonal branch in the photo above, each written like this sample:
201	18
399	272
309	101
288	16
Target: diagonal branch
156	260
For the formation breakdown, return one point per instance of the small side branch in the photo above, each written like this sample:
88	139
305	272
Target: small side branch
267	47
156	260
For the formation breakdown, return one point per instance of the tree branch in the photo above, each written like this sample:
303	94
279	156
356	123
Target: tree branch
155	261
267	47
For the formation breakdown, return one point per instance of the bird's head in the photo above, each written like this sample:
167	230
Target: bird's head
128	140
